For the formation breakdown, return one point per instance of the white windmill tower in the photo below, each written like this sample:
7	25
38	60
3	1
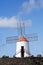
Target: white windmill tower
22	44
22	47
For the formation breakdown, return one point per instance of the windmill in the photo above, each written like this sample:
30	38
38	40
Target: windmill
23	39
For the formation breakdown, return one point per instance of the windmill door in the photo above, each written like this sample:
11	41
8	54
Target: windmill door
22	51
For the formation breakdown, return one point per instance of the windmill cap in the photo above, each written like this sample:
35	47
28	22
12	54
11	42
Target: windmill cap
22	38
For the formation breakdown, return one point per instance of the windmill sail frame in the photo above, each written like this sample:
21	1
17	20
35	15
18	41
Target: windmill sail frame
21	32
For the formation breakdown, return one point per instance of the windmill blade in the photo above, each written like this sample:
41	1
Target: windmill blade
21	28
32	37
22	25
11	39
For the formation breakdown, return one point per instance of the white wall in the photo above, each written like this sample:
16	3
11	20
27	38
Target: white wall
18	48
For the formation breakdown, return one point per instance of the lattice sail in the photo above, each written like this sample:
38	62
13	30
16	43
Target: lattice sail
21	28
11	39
32	37
21	32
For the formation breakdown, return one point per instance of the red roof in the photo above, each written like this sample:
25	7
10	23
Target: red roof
22	38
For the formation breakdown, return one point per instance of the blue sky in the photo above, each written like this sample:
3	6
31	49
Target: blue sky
12	11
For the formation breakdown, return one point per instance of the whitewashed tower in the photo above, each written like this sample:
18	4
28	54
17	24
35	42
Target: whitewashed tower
22	47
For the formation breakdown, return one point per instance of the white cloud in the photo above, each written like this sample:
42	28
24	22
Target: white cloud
8	22
26	7
30	5
12	22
